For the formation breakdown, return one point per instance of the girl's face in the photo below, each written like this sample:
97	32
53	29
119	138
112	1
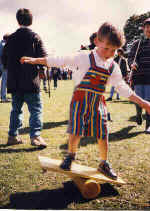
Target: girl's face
105	50
146	30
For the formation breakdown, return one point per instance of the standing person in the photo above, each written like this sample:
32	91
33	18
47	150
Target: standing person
69	74
139	63
88	115
124	70
55	72
4	70
23	80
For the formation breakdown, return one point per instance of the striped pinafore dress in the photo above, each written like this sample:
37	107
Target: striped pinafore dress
88	114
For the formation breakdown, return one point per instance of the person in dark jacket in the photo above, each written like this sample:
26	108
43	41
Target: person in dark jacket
124	70
23	80
139	63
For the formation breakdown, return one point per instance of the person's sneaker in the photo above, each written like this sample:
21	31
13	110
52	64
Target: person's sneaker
139	119
105	168
118	98
13	140
38	141
109	99
66	164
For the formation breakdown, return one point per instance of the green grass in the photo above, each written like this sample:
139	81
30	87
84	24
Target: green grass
23	185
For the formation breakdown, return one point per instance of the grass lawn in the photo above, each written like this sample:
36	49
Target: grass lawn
23	185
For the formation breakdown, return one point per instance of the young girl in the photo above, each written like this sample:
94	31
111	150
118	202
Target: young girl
88	114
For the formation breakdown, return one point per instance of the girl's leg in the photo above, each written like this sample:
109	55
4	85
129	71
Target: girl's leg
103	148
72	149
73	143
104	166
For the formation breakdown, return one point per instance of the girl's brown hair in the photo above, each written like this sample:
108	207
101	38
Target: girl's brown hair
111	33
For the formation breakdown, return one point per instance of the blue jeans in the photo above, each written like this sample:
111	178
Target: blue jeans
34	104
1	66
143	91
112	92
4	85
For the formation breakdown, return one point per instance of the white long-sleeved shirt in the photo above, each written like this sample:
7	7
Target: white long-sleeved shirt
80	63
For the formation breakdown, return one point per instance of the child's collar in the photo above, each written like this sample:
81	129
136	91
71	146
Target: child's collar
100	61
98	57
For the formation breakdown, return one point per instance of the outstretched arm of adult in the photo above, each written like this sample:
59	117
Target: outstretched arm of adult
31	60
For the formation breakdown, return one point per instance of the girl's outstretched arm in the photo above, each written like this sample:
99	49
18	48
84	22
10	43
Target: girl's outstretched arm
141	102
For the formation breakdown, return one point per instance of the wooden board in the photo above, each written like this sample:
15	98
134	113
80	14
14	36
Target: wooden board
77	170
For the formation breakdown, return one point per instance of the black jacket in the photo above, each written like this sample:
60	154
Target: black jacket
22	78
141	76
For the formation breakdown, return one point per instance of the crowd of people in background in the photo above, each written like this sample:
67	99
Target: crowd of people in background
63	73
54	74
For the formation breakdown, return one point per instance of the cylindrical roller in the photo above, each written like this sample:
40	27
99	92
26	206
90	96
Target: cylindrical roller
89	188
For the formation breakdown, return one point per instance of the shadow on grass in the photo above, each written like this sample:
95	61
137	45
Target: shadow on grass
55	198
46	125
12	150
124	134
116	136
121	101
133	118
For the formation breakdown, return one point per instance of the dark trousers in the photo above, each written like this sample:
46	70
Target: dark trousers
55	83
139	113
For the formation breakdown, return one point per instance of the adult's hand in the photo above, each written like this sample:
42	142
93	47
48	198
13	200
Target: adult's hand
134	66
26	59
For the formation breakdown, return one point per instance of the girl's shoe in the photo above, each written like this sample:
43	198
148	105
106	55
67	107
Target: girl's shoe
105	168
66	164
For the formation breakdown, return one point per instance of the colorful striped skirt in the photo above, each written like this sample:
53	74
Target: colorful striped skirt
88	115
